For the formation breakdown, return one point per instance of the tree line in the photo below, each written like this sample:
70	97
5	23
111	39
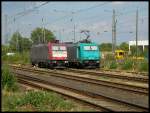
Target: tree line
18	43
108	46
123	46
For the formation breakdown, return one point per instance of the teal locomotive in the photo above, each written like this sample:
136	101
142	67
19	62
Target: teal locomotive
83	55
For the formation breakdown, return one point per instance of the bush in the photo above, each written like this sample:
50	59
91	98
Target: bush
113	65
8	79
143	66
11	102
109	57
33	98
128	64
39	101
22	58
40	98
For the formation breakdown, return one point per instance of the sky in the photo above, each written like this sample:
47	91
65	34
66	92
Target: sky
65	19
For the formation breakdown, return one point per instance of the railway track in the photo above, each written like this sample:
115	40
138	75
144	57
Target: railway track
143	88
130	97
63	91
134	76
100	102
131	77
127	72
110	71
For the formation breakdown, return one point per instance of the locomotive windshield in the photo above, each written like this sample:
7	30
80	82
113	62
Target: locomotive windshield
90	48
59	48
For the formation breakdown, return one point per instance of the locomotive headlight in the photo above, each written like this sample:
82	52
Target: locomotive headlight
54	61
86	61
66	61
97	61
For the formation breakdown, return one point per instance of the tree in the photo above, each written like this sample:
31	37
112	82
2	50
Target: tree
26	43
124	46
15	42
38	33
18	43
106	47
5	49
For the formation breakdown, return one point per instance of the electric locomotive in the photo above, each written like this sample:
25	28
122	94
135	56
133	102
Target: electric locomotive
51	55
83	55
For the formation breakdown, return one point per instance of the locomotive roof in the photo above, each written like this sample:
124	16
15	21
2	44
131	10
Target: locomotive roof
78	43
39	45
56	44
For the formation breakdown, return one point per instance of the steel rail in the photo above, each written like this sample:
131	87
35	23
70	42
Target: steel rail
51	87
128	96
98	81
128	72
101	102
138	78
101	73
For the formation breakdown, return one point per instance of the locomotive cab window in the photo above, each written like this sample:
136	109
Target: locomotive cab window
86	47
90	48
63	48
59	48
120	53
93	47
55	48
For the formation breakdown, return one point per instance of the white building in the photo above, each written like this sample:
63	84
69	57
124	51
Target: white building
140	43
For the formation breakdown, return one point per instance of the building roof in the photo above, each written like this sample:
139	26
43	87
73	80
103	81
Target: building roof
140	42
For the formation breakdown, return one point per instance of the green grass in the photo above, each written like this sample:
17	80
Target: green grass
113	65
15	100
21	58
8	79
37	101
127	64
143	66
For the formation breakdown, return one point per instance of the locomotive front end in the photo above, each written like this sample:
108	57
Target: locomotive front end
58	56
90	55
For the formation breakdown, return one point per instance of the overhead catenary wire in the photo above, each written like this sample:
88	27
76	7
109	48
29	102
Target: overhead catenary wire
89	18
21	14
86	9
29	10
75	12
80	10
110	26
33	9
